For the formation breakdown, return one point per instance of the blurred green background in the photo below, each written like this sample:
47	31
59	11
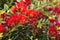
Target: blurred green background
9	2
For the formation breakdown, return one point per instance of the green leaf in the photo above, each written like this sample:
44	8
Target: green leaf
1	20
2	12
6	7
47	13
31	37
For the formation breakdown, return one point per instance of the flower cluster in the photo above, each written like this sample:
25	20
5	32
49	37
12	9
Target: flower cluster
3	29
55	9
21	14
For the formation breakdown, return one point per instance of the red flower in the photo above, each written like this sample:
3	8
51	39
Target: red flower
12	20
23	19
52	20
34	22
16	19
49	9
57	9
58	37
4	15
53	31
14	9
41	14
27	2
21	7
55	21
58	24
32	13
3	29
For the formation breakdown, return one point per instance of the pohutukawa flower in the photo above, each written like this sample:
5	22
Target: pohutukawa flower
14	9
57	37
41	14
3	29
53	31
21	7
32	13
3	15
49	8
58	23
34	21
57	9
12	20
23	19
52	20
